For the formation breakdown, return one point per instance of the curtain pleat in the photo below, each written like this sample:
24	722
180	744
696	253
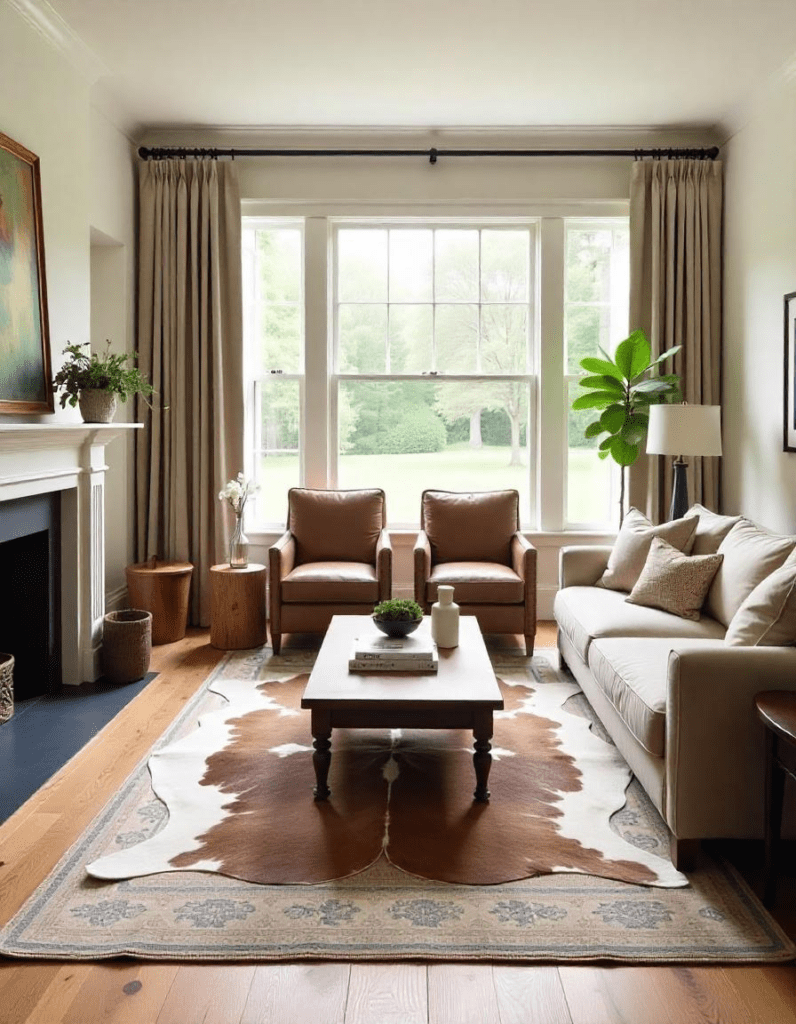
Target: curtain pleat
675	297
191	349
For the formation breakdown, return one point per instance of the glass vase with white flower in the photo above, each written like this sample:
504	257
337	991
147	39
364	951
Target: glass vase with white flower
236	493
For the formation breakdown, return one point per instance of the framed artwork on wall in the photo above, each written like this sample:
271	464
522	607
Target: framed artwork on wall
25	378
789	438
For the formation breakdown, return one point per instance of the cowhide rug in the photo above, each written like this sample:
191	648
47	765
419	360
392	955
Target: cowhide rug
239	795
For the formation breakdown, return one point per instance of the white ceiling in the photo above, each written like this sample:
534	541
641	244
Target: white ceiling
431	63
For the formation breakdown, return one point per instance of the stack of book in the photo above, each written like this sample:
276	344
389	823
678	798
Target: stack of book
377	653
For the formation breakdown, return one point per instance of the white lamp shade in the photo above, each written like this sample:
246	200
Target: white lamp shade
684	430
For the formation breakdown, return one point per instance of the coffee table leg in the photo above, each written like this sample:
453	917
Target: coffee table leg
482	758
322	756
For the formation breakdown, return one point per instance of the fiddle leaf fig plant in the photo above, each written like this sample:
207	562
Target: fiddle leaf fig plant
623	389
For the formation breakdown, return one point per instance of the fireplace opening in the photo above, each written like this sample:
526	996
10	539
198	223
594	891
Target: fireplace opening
29	592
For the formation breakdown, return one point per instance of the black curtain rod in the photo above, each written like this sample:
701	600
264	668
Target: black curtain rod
181	153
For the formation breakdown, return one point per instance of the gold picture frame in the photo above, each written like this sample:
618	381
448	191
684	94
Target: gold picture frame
25	375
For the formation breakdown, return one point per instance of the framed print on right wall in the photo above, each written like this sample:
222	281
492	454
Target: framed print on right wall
789	433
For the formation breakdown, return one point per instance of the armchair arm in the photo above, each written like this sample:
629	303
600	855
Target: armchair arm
523	560
422	563
715	744
582	565
384	565
281	559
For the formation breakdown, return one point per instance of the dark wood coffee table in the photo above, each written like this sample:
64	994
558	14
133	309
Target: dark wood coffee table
461	695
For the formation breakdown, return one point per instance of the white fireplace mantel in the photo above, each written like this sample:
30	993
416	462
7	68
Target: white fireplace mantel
38	458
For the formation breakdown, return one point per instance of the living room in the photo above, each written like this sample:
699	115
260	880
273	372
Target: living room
73	96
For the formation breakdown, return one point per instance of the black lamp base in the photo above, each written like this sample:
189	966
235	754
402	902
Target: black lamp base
679	491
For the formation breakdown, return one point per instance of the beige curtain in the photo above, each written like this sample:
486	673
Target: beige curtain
190	348
675	297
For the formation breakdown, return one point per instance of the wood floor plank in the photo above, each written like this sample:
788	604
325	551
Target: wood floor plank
22	985
121	993
613	995
297	993
464	993
387	994
59	994
208	994
530	995
768	991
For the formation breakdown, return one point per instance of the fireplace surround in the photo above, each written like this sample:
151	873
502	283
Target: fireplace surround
42	458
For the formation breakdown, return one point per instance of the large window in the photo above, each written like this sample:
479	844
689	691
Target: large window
433	350
406	354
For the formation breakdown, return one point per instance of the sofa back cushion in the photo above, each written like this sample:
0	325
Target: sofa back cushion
767	618
711	529
335	526
750	555
470	526
673	581
633	543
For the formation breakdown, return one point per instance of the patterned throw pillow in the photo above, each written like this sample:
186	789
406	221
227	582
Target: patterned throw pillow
633	543
673	581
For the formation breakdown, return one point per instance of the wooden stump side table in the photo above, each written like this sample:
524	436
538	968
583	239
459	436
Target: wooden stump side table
777	710
237	607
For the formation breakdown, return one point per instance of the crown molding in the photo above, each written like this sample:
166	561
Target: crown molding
782	80
61	36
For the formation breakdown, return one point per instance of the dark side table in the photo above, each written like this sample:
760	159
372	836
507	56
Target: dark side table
777	711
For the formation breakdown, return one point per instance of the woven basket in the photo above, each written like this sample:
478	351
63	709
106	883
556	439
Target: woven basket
6	686
126	645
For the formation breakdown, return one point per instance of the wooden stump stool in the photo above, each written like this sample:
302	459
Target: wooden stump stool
237	607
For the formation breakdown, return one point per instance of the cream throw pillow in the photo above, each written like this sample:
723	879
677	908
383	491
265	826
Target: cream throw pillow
673	581
767	618
711	529
633	544
750	554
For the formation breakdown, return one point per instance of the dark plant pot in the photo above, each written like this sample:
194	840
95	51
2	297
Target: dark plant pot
397	627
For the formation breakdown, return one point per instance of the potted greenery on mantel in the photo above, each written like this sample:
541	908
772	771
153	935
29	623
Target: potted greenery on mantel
94	382
623	388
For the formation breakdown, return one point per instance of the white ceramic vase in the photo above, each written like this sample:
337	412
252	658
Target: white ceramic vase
445	619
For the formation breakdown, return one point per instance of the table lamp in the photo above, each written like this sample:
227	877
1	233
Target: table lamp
683	430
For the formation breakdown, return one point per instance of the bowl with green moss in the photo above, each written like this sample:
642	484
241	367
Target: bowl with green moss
397	617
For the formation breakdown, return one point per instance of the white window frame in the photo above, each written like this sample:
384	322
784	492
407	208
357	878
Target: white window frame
548	415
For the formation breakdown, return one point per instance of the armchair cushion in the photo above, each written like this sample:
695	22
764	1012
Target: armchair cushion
477	583
476	526
322	582
335	526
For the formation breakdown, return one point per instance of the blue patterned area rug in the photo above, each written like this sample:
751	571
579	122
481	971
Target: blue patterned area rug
382	913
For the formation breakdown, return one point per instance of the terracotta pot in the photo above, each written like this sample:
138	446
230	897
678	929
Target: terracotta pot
97	406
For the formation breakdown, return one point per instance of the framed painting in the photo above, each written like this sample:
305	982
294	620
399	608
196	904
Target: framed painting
789	439
25	378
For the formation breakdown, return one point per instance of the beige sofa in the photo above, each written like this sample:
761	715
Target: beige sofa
677	697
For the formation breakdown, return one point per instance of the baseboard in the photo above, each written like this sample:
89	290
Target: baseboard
116	599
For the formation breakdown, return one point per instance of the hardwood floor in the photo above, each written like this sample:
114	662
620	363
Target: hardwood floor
138	992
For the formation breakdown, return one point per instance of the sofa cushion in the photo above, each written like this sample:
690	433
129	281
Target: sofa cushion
477	583
587	613
767	618
673	581
346	582
470	526
336	526
750	554
633	543
711	529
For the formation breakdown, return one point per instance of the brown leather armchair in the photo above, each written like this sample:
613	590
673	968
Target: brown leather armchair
334	559
472	542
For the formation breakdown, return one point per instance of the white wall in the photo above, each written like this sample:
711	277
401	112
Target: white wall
44	106
759	479
112	220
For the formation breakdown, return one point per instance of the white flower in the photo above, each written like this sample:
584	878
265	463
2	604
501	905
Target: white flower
235	493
